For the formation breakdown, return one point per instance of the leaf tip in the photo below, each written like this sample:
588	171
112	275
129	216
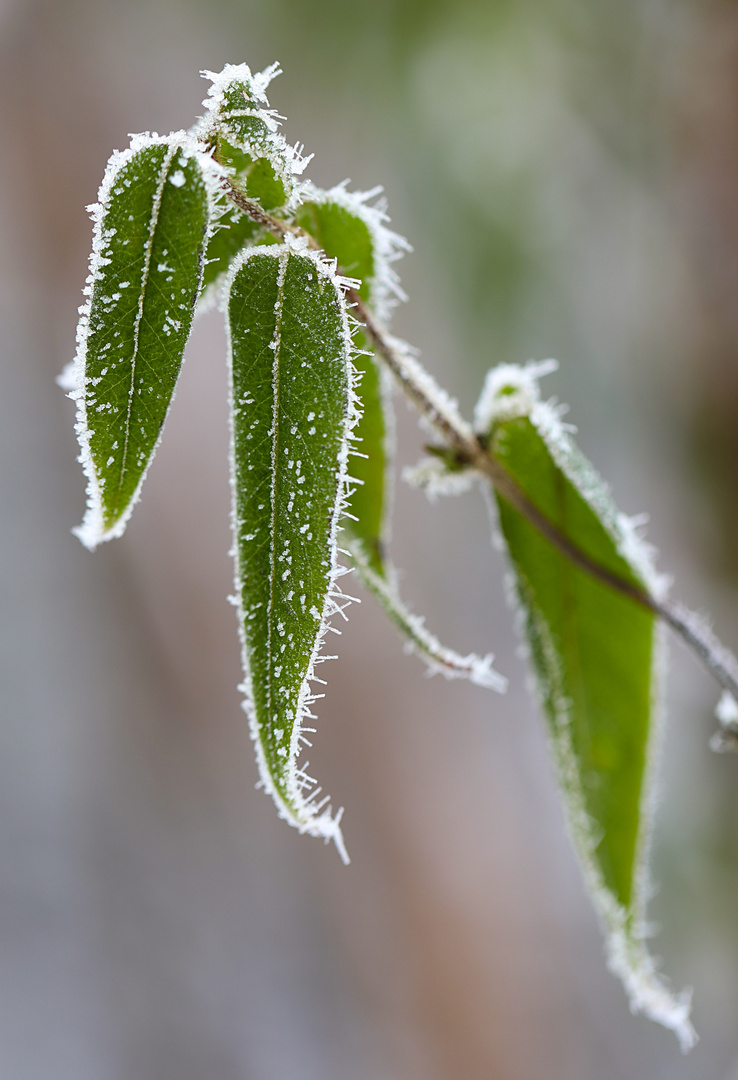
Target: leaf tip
647	991
510	390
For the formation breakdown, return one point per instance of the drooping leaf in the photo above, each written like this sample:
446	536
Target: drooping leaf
293	409
244	133
420	641
355	234
150	227
595	653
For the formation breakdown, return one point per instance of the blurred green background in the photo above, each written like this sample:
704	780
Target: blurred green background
567	172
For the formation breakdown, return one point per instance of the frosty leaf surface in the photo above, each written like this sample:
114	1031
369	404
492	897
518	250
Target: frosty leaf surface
345	236
245	136
145	273
292	411
595	656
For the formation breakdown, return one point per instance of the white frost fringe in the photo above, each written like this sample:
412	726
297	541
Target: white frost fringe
287	161
726	713
73	379
302	808
432	476
420	641
512	391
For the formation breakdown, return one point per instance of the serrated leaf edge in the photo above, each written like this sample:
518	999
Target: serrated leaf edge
92	531
301	808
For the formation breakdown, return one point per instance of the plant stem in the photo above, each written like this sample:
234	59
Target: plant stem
440	413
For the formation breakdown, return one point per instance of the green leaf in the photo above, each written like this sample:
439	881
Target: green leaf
244	134
145	273
344	235
293	409
355	235
596	657
368	503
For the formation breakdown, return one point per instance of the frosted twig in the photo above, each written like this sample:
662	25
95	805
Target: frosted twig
440	412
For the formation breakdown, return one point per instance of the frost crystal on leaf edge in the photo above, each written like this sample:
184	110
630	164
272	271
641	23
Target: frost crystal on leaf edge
287	161
387	246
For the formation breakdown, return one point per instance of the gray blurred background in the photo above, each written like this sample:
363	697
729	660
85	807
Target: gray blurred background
567	171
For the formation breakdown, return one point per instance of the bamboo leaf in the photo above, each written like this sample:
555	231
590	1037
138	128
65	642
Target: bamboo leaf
146	267
596	656
355	234
293	409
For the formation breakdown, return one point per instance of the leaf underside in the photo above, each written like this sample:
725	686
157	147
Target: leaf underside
595	656
291	411
344	236
145	279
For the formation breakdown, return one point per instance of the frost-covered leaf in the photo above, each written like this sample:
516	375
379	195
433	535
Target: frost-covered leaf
293	409
244	133
150	227
596	656
355	234
419	640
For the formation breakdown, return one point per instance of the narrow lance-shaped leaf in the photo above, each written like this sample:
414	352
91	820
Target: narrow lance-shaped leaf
145	273
596	655
355	234
293	409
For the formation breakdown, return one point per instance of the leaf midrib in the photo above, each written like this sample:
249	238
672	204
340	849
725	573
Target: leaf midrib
148	250
277	341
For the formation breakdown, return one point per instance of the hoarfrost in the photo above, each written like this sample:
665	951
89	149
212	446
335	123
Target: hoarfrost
387	246
726	713
511	391
726	710
433	477
420	641
287	161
